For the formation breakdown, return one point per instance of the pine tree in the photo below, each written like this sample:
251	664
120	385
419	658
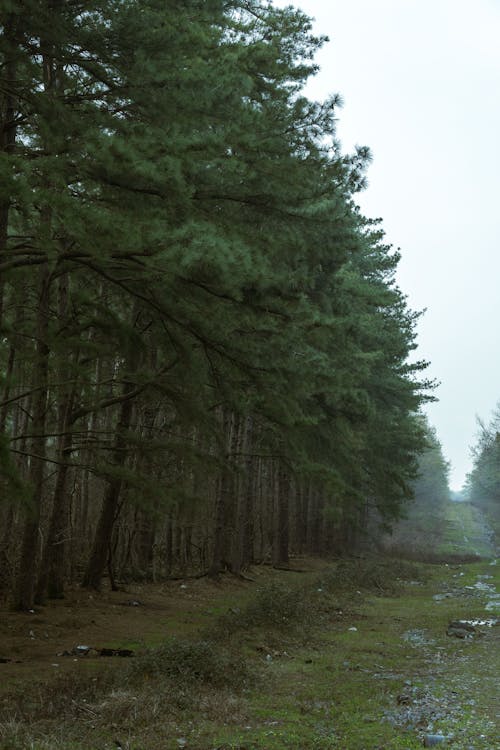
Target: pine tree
162	162
483	482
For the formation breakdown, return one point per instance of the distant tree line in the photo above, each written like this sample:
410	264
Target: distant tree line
483	483
203	352
421	530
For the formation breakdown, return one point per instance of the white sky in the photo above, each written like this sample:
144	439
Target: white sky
421	84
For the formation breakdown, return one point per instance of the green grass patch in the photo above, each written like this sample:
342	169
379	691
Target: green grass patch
353	658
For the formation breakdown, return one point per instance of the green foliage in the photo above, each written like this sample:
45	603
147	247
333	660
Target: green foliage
421	530
184	662
276	605
376	575
191	221
431	484
483	483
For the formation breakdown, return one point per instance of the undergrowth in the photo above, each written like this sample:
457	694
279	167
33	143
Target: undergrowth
299	611
207	675
190	662
377	575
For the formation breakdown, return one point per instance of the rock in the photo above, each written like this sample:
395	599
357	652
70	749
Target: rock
458	633
493	604
461	629
435	739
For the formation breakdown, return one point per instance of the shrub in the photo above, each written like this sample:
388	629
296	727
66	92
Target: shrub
370	574
275	606
186	662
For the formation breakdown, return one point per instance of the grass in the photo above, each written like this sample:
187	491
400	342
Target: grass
353	657
337	694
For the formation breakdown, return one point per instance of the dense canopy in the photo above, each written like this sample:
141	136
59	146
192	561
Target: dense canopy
204	357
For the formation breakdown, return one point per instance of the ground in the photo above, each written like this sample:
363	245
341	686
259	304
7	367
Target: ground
349	655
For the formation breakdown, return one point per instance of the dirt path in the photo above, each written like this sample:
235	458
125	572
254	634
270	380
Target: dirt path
455	688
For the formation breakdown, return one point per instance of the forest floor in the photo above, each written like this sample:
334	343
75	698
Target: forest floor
347	655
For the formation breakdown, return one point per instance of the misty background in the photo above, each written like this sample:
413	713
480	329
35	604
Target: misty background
420	82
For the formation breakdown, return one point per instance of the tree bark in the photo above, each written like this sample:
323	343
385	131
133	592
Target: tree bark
246	482
224	505
8	135
110	505
29	551
51	576
282	527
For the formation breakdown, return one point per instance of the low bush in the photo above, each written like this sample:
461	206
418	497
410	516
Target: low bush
276	606
377	575
186	662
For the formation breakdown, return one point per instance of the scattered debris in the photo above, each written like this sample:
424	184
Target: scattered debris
86	651
115	652
82	650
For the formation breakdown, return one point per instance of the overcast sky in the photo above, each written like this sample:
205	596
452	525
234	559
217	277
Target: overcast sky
420	81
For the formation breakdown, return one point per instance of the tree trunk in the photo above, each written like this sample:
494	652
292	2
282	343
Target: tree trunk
29	551
110	505
8	134
281	532
246	499
224	505
52	568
